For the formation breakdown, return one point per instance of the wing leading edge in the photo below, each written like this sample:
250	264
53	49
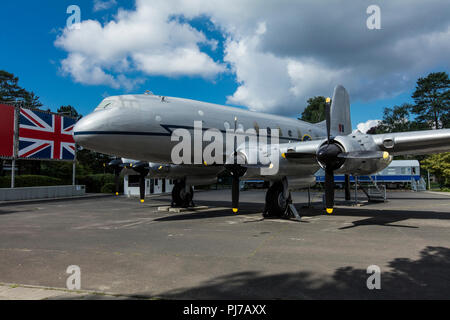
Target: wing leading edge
414	142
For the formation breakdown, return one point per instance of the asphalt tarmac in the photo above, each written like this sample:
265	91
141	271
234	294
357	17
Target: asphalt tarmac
133	250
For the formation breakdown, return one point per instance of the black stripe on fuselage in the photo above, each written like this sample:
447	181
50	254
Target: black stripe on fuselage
168	128
123	133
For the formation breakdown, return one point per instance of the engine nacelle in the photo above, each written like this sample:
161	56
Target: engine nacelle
360	142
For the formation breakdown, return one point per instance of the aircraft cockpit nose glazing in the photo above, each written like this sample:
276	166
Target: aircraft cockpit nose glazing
107	104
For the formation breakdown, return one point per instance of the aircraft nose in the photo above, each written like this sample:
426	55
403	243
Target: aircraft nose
86	130
103	131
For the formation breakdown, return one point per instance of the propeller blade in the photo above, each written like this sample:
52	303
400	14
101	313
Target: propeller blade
117	165
117	181
328	118
235	193
142	186
329	190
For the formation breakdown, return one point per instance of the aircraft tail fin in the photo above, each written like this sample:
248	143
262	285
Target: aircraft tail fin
341	123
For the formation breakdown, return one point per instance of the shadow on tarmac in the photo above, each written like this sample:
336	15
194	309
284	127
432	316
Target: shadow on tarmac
373	216
424	278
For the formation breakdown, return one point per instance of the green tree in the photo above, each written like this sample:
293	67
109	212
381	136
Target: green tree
398	119
93	162
439	165
446	120
432	99
32	100
11	92
315	111
69	111
9	88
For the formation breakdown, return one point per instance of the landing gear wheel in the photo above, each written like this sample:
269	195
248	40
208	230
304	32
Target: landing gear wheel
276	203
181	198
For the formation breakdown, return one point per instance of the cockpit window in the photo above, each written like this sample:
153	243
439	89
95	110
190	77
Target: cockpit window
105	104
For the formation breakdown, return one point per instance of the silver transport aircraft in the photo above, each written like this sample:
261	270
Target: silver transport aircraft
141	126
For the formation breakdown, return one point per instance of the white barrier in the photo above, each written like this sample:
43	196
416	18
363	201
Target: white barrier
51	192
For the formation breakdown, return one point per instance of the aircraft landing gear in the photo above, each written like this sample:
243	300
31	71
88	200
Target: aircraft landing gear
276	201
182	195
279	202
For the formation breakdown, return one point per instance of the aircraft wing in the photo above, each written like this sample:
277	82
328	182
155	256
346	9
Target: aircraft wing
402	143
414	142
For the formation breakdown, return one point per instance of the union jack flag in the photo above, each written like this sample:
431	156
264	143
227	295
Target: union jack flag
45	136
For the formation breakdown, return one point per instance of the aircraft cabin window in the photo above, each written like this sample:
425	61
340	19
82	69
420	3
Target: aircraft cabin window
200	113
226	125
290	133
240	127
158	118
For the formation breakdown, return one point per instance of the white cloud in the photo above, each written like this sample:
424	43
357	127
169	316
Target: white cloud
256	90
180	61
83	71
100	5
308	47
281	52
145	40
366	126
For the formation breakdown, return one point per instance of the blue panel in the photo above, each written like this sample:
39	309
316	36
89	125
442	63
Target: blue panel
376	178
43	154
66	155
46	117
25	121
68	122
24	144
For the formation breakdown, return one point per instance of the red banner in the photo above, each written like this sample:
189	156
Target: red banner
6	131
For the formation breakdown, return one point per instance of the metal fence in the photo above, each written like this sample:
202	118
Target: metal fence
34	193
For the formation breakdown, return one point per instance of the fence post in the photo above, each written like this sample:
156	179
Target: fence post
74	166
15	145
13	172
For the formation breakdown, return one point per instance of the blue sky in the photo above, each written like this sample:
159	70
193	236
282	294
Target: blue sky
30	53
32	56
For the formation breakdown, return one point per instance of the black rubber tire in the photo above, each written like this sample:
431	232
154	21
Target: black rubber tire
181	198
273	205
